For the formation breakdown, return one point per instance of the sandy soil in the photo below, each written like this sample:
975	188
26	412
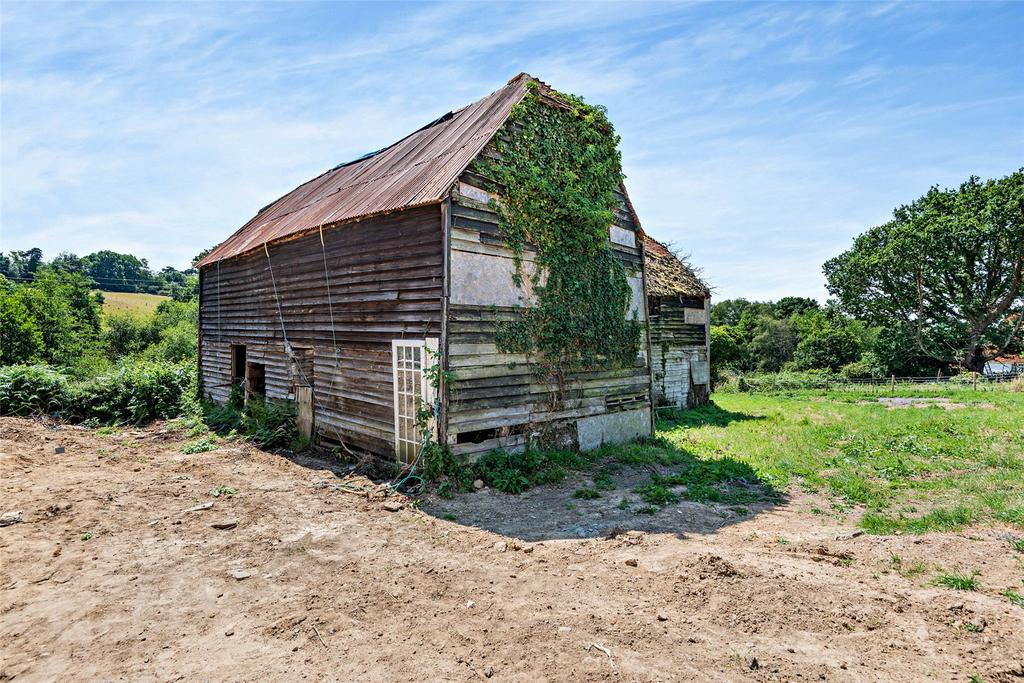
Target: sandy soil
317	583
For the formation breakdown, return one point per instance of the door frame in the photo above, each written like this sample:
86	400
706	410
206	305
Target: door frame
427	346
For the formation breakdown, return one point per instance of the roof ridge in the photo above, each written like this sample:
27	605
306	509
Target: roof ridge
417	169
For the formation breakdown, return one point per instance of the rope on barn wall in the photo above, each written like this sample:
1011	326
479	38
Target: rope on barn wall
327	279
288	347
220	332
277	298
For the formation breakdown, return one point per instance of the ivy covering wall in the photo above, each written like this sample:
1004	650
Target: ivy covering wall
558	172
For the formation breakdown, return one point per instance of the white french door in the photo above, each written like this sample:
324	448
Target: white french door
409	360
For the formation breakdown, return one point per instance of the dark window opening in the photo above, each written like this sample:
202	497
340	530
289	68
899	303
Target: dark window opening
237	364
654	306
255	379
476	435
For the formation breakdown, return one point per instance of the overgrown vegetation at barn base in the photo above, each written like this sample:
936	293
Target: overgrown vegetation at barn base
507	472
268	424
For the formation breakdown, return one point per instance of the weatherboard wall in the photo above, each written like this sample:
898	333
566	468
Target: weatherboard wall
497	399
385	277
679	351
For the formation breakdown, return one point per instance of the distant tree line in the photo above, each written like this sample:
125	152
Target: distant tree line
56	318
939	288
797	333
106	270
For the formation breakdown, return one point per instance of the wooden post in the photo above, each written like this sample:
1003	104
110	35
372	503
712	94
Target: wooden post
892	387
446	292
304	418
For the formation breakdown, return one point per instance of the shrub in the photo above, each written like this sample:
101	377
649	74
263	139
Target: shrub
176	343
64	310
126	335
175	328
31	390
135	393
868	366
829	348
20	339
268	424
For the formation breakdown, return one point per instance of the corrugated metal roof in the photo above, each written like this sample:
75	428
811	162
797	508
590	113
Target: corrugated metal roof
667	275
416	170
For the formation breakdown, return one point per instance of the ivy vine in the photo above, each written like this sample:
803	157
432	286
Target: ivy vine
557	170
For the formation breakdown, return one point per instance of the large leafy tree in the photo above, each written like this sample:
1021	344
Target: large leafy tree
120	272
948	269
64	311
20	339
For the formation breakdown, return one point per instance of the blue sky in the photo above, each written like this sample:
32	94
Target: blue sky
759	138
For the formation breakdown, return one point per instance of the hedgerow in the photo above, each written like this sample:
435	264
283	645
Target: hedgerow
133	393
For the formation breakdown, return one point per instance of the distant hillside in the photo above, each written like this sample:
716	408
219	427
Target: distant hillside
131	302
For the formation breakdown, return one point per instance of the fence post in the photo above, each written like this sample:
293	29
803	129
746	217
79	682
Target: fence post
892	387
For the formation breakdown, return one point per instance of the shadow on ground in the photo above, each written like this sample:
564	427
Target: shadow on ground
710	414
652	486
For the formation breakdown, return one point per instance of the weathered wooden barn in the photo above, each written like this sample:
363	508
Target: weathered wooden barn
679	306
343	293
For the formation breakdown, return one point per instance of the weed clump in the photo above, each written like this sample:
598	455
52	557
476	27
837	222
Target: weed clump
268	424
958	580
586	493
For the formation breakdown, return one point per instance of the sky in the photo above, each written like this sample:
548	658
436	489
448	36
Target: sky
757	138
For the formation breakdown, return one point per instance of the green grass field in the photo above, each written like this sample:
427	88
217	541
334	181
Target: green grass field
911	469
131	302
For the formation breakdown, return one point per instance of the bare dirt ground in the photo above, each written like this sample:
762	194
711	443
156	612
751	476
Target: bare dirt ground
110	577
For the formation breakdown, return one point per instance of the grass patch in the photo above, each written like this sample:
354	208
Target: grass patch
940	519
133	303
203	445
958	580
508	472
908	470
960	467
1014	597
603	481
725	480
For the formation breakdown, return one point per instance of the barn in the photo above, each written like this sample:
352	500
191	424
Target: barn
679	305
383	286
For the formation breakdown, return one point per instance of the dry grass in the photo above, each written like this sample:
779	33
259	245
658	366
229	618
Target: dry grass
132	303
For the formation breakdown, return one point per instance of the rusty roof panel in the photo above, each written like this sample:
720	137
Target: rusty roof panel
419	169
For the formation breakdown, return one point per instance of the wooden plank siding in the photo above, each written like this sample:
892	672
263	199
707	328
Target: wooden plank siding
675	346
386	277
498	396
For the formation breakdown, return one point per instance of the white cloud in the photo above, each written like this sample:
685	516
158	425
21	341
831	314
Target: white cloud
758	137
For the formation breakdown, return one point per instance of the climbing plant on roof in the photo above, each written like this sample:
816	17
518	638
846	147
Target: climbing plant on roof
557	170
